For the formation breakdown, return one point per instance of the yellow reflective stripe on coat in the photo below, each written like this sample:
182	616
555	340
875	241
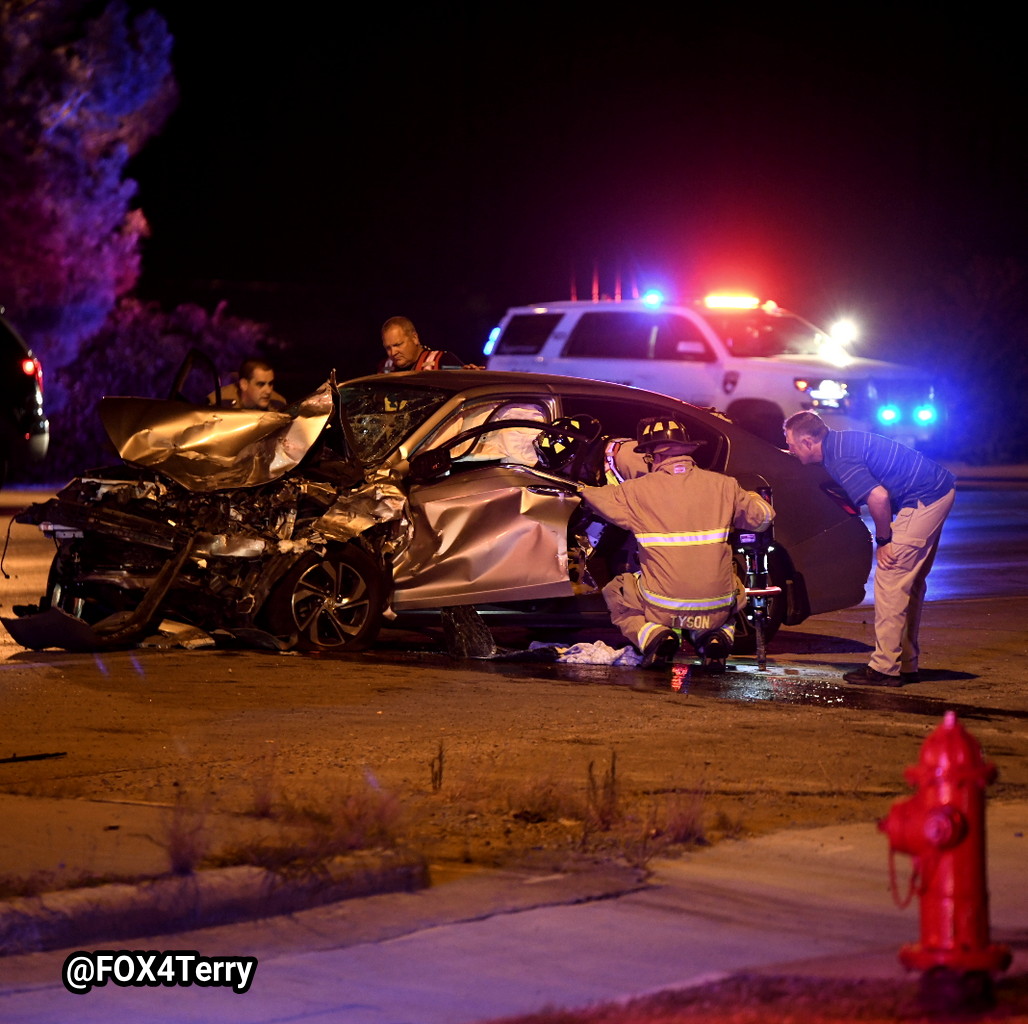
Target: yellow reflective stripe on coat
647	631
697	604
663	540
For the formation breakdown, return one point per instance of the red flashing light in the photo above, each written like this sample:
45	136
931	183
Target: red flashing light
731	302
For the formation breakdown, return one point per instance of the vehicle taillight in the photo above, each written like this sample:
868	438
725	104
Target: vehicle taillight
31	368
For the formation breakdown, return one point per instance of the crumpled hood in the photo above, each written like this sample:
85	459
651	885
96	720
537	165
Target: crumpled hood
209	449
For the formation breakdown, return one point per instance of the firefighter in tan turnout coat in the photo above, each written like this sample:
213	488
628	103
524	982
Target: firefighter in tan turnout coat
681	517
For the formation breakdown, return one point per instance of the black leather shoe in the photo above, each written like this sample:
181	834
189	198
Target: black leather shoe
663	646
868	676
910	677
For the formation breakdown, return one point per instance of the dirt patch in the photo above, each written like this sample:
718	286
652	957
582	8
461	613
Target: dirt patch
504	763
756	999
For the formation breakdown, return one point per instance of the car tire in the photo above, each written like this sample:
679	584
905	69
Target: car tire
66	592
329	602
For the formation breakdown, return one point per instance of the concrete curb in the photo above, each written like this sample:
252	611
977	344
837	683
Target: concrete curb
109	913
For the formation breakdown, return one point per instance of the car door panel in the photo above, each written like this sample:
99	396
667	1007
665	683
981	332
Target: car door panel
488	533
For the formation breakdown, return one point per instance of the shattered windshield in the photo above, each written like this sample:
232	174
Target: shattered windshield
758	333
383	415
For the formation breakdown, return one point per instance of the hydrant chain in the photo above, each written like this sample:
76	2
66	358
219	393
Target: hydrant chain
902	901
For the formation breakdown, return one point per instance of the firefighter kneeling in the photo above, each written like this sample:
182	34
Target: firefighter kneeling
681	517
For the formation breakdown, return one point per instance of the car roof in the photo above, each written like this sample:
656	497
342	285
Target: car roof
473	380
479	383
485	381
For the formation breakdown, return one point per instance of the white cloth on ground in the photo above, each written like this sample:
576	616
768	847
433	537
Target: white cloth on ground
597	653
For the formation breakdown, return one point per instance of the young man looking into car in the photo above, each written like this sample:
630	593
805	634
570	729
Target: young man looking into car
892	480
254	389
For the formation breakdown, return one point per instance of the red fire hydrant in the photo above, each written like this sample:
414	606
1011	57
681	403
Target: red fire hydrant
942	826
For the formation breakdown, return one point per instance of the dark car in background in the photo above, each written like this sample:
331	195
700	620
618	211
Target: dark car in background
24	430
386	495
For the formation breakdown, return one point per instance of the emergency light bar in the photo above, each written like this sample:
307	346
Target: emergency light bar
731	302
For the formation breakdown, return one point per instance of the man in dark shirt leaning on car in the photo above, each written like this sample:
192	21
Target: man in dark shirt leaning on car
908	497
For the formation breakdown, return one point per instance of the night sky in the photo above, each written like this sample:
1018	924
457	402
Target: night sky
445	163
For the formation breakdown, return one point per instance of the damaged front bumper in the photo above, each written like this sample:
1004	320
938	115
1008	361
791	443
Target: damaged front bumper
134	551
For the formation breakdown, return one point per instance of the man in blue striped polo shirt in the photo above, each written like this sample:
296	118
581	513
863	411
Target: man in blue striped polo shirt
908	496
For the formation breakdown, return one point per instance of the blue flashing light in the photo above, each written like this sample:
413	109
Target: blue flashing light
490	345
889	415
926	414
652	298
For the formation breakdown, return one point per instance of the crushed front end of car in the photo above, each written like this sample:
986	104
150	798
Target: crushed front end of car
212	510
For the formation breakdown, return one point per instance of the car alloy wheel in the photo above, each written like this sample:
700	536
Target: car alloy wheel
329	602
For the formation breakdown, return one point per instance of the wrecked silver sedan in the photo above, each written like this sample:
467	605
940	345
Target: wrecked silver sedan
380	496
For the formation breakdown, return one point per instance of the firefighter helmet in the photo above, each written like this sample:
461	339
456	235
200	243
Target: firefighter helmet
564	439
656	431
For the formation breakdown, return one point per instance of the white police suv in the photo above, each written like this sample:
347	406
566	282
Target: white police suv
749	358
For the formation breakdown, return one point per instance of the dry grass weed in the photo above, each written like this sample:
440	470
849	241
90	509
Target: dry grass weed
315	829
185	834
264	781
545	799
603	796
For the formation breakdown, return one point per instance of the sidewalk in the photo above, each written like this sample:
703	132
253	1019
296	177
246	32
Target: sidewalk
813	903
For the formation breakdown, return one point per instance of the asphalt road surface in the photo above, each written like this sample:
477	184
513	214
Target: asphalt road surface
237	728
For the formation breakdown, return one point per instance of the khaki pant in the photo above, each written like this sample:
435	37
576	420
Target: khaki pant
899	591
640	622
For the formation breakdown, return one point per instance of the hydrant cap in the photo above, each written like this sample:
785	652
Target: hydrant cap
952	750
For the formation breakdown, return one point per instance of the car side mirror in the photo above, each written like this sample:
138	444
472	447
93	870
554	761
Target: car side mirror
430	465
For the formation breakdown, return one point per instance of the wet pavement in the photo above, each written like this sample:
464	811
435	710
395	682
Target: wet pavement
783	681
